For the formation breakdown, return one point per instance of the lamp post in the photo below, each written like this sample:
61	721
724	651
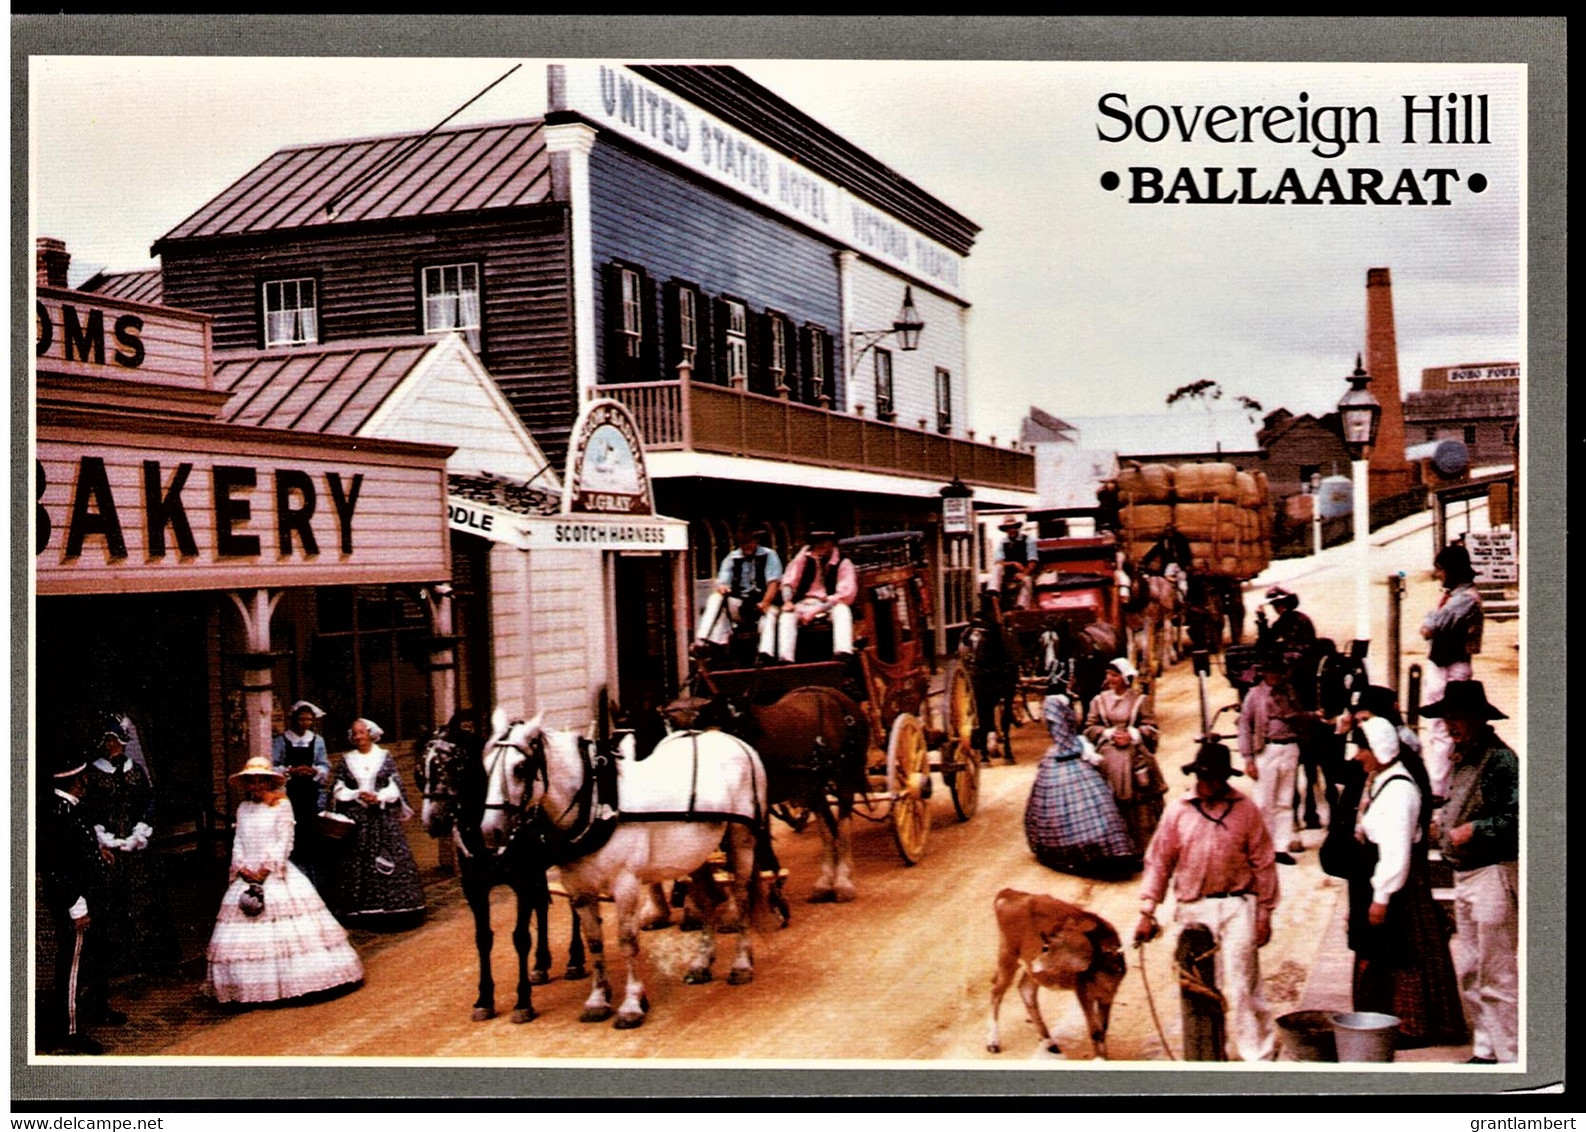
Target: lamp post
906	326
1359	413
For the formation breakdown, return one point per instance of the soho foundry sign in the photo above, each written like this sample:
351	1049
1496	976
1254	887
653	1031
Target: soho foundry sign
606	474
118	515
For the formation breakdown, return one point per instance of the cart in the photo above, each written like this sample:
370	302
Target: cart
914	732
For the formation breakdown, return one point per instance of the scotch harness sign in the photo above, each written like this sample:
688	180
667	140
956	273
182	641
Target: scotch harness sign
206	508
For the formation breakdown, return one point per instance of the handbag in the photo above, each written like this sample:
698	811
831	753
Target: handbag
251	899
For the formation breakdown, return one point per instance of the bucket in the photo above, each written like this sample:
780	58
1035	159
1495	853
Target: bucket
1308	1035
1365	1037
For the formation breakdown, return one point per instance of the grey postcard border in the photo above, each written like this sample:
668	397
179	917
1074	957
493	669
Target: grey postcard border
1538	42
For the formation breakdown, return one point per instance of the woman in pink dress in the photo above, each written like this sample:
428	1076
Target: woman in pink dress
291	945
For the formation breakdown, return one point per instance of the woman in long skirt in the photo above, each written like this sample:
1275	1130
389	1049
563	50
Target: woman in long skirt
379	880
1402	962
1071	820
1122	729
277	941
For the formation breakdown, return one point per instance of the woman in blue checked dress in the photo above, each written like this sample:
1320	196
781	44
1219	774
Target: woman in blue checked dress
1072	821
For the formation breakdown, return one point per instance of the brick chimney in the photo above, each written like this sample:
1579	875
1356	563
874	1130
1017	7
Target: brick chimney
53	259
1390	472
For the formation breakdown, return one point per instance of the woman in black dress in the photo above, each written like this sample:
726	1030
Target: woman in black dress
378	882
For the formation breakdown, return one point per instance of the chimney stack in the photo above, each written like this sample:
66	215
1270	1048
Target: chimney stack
53	259
1390	472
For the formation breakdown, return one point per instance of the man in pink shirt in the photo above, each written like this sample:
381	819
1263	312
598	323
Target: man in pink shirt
819	584
1214	845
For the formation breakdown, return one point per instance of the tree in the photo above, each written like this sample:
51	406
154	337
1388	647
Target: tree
1206	391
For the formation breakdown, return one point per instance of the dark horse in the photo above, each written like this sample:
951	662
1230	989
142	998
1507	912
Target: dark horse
814	742
452	780
990	649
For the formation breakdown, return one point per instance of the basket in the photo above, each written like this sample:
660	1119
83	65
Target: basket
334	826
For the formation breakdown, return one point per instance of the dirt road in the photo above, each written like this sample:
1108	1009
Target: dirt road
902	974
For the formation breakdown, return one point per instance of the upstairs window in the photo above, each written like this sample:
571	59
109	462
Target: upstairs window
686	330
944	400
632	344
737	342
817	352
291	312
451	300
688	324
777	350
884	406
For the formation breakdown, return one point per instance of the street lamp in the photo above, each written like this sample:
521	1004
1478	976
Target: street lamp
1359	413
906	326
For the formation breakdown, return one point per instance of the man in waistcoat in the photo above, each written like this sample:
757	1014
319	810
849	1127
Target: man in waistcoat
1014	562
747	585
821	584
1478	831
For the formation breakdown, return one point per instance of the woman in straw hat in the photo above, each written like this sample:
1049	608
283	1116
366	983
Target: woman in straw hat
291	945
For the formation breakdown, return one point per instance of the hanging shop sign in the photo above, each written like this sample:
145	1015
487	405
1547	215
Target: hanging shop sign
123	504
606	473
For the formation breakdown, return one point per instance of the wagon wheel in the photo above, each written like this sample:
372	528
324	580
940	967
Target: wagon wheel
909	784
960	762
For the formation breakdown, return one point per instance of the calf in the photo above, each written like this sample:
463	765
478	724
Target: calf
1060	947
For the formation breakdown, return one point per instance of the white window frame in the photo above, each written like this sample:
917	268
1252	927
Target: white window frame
817	363
444	293
886	404
777	348
736	334
288	320
944	399
688	322
632	312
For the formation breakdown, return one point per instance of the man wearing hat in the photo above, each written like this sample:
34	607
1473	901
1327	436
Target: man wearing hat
1014	563
1291	631
746	590
1478	831
1270	720
1215	847
1453	634
73	876
822	584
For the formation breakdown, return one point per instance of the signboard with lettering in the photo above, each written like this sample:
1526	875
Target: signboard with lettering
1501	372
119	509
606	474
83	335
1494	555
615	98
956	515
567	532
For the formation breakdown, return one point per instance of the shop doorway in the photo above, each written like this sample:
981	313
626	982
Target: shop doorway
646	636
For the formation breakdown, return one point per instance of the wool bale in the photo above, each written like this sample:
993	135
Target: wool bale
1248	488
1145	483
1145	520
1212	522
1201	482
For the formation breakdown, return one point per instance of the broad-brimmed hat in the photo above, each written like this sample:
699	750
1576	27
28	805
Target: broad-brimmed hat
259	767
1214	760
1011	524
1463	699
114	725
1380	700
823	534
65	766
1272	662
1280	595
747	531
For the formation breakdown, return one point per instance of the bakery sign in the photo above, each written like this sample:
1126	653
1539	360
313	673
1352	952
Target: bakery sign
606	473
119	511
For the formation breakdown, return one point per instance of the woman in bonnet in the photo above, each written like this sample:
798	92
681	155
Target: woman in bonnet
1071	820
274	939
379	880
299	753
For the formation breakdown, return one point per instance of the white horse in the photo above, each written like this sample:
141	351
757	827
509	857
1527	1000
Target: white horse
628	827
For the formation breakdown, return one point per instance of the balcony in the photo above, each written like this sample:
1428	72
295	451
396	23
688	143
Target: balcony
695	417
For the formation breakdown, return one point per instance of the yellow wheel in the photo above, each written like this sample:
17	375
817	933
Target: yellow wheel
909	784
960	761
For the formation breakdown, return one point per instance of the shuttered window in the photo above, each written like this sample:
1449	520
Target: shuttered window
686	330
736	333
291	312
884	407
944	400
632	352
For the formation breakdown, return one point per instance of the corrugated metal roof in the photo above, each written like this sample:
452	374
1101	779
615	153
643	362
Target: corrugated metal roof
1168	434
459	169
133	286
331	389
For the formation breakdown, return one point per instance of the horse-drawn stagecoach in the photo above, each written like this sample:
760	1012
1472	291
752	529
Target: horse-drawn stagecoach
878	761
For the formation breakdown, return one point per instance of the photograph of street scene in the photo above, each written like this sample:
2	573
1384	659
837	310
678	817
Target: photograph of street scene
765	562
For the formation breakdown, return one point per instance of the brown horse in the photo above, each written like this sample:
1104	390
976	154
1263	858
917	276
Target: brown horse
814	741
1151	609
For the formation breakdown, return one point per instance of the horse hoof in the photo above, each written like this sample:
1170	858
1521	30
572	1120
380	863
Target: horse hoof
574	974
524	1014
823	896
993	1047
845	895
628	1021
595	1014
698	976
483	1013
738	976
656	924
538	978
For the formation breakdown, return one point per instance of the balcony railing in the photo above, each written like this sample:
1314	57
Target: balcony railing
692	416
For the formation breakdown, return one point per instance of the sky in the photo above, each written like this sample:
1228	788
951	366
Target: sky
1085	302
